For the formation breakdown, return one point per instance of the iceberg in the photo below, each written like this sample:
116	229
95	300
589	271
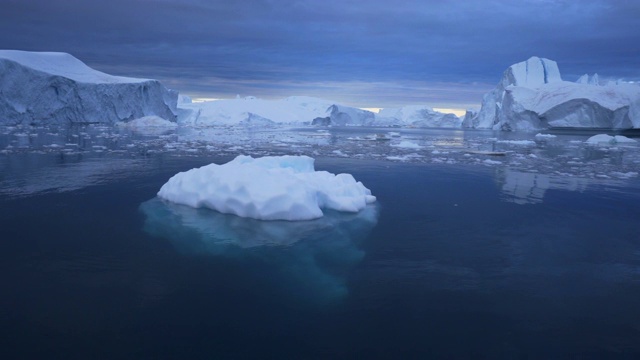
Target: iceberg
304	110
532	95
46	87
308	259
251	111
267	188
343	115
418	116
604	139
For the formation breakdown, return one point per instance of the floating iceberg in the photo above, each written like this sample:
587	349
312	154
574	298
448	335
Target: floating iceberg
417	116
307	259
57	87
604	139
302	110
532	95
251	111
267	188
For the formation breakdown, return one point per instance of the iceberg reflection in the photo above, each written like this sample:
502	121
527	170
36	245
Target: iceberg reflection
311	258
529	188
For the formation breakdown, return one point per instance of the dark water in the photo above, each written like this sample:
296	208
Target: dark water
454	261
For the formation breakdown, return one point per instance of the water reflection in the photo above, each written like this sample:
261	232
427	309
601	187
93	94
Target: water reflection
311	258
522	187
529	188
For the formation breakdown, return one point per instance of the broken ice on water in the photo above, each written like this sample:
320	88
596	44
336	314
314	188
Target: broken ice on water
525	165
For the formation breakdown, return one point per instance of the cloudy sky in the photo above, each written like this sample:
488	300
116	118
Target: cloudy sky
373	53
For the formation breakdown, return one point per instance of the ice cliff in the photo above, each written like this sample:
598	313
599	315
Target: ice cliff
532	95
45	87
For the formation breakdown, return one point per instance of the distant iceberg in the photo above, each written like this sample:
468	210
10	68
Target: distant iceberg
267	188
305	110
418	116
51	87
251	111
532	95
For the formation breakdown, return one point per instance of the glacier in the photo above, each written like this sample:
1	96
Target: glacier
267	188
532	95
54	87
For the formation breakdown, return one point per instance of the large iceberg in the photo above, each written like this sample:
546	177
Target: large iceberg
302	110
532	95
267	188
252	111
418	116
48	87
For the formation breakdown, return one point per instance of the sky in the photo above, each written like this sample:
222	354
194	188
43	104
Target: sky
373	53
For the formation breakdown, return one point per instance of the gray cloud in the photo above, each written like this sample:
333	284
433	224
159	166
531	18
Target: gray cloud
276	47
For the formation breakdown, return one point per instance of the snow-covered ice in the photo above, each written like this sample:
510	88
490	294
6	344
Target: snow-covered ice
267	188
418	116
46	87
303	110
532	95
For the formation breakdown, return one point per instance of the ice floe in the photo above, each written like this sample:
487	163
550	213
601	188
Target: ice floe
267	188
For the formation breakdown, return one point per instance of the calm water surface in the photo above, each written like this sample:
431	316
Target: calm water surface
517	257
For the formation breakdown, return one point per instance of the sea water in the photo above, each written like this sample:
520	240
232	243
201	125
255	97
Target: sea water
481	244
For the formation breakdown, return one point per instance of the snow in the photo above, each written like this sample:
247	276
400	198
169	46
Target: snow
531	95
58	88
267	188
64	65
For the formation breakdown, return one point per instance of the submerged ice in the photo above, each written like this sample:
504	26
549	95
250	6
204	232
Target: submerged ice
267	188
307	259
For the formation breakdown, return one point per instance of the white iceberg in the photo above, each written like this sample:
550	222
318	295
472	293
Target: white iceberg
532	95
267	188
252	111
417	116
604	139
307	259
57	87
304	110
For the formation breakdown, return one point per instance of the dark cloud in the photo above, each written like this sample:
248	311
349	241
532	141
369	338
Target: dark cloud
331	48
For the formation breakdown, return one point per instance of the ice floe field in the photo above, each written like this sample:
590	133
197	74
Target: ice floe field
478	242
576	154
